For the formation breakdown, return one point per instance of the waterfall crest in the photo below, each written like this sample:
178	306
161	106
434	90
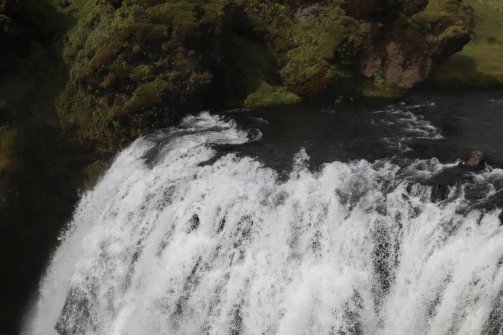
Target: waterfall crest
176	239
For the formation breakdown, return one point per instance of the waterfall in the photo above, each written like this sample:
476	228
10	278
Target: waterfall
178	239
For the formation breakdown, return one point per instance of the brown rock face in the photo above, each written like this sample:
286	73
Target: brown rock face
402	46
402	63
474	159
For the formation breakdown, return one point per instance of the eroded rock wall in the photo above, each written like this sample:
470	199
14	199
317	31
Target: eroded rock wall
401	48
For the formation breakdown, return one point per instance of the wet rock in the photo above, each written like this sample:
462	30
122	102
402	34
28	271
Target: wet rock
253	134
474	159
439	192
193	223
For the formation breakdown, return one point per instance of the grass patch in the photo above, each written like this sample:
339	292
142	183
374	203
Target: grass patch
479	64
268	95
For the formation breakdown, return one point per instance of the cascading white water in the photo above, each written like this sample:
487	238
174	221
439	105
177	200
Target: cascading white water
175	240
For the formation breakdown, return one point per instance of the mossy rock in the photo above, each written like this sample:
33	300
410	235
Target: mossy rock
136	67
268	95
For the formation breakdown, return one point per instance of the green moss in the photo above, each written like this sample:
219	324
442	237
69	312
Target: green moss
479	64
380	88
132	67
141	72
147	95
310	53
268	95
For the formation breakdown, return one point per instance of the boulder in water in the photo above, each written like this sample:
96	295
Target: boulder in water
474	159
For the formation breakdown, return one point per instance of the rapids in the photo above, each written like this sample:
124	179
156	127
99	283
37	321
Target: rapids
190	233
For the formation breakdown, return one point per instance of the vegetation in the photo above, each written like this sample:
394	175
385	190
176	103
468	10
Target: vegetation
267	95
479	64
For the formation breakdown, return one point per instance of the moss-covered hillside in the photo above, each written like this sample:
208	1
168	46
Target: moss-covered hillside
136	65
479	64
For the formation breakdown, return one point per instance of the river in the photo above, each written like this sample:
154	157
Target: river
346	219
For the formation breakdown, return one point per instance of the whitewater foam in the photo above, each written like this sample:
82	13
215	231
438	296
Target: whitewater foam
176	240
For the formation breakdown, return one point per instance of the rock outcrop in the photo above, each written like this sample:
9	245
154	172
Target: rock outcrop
474	159
401	48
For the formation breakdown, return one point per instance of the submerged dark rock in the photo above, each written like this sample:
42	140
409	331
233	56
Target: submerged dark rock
439	192
474	159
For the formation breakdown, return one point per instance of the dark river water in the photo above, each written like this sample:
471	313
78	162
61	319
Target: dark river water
421	126
347	219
